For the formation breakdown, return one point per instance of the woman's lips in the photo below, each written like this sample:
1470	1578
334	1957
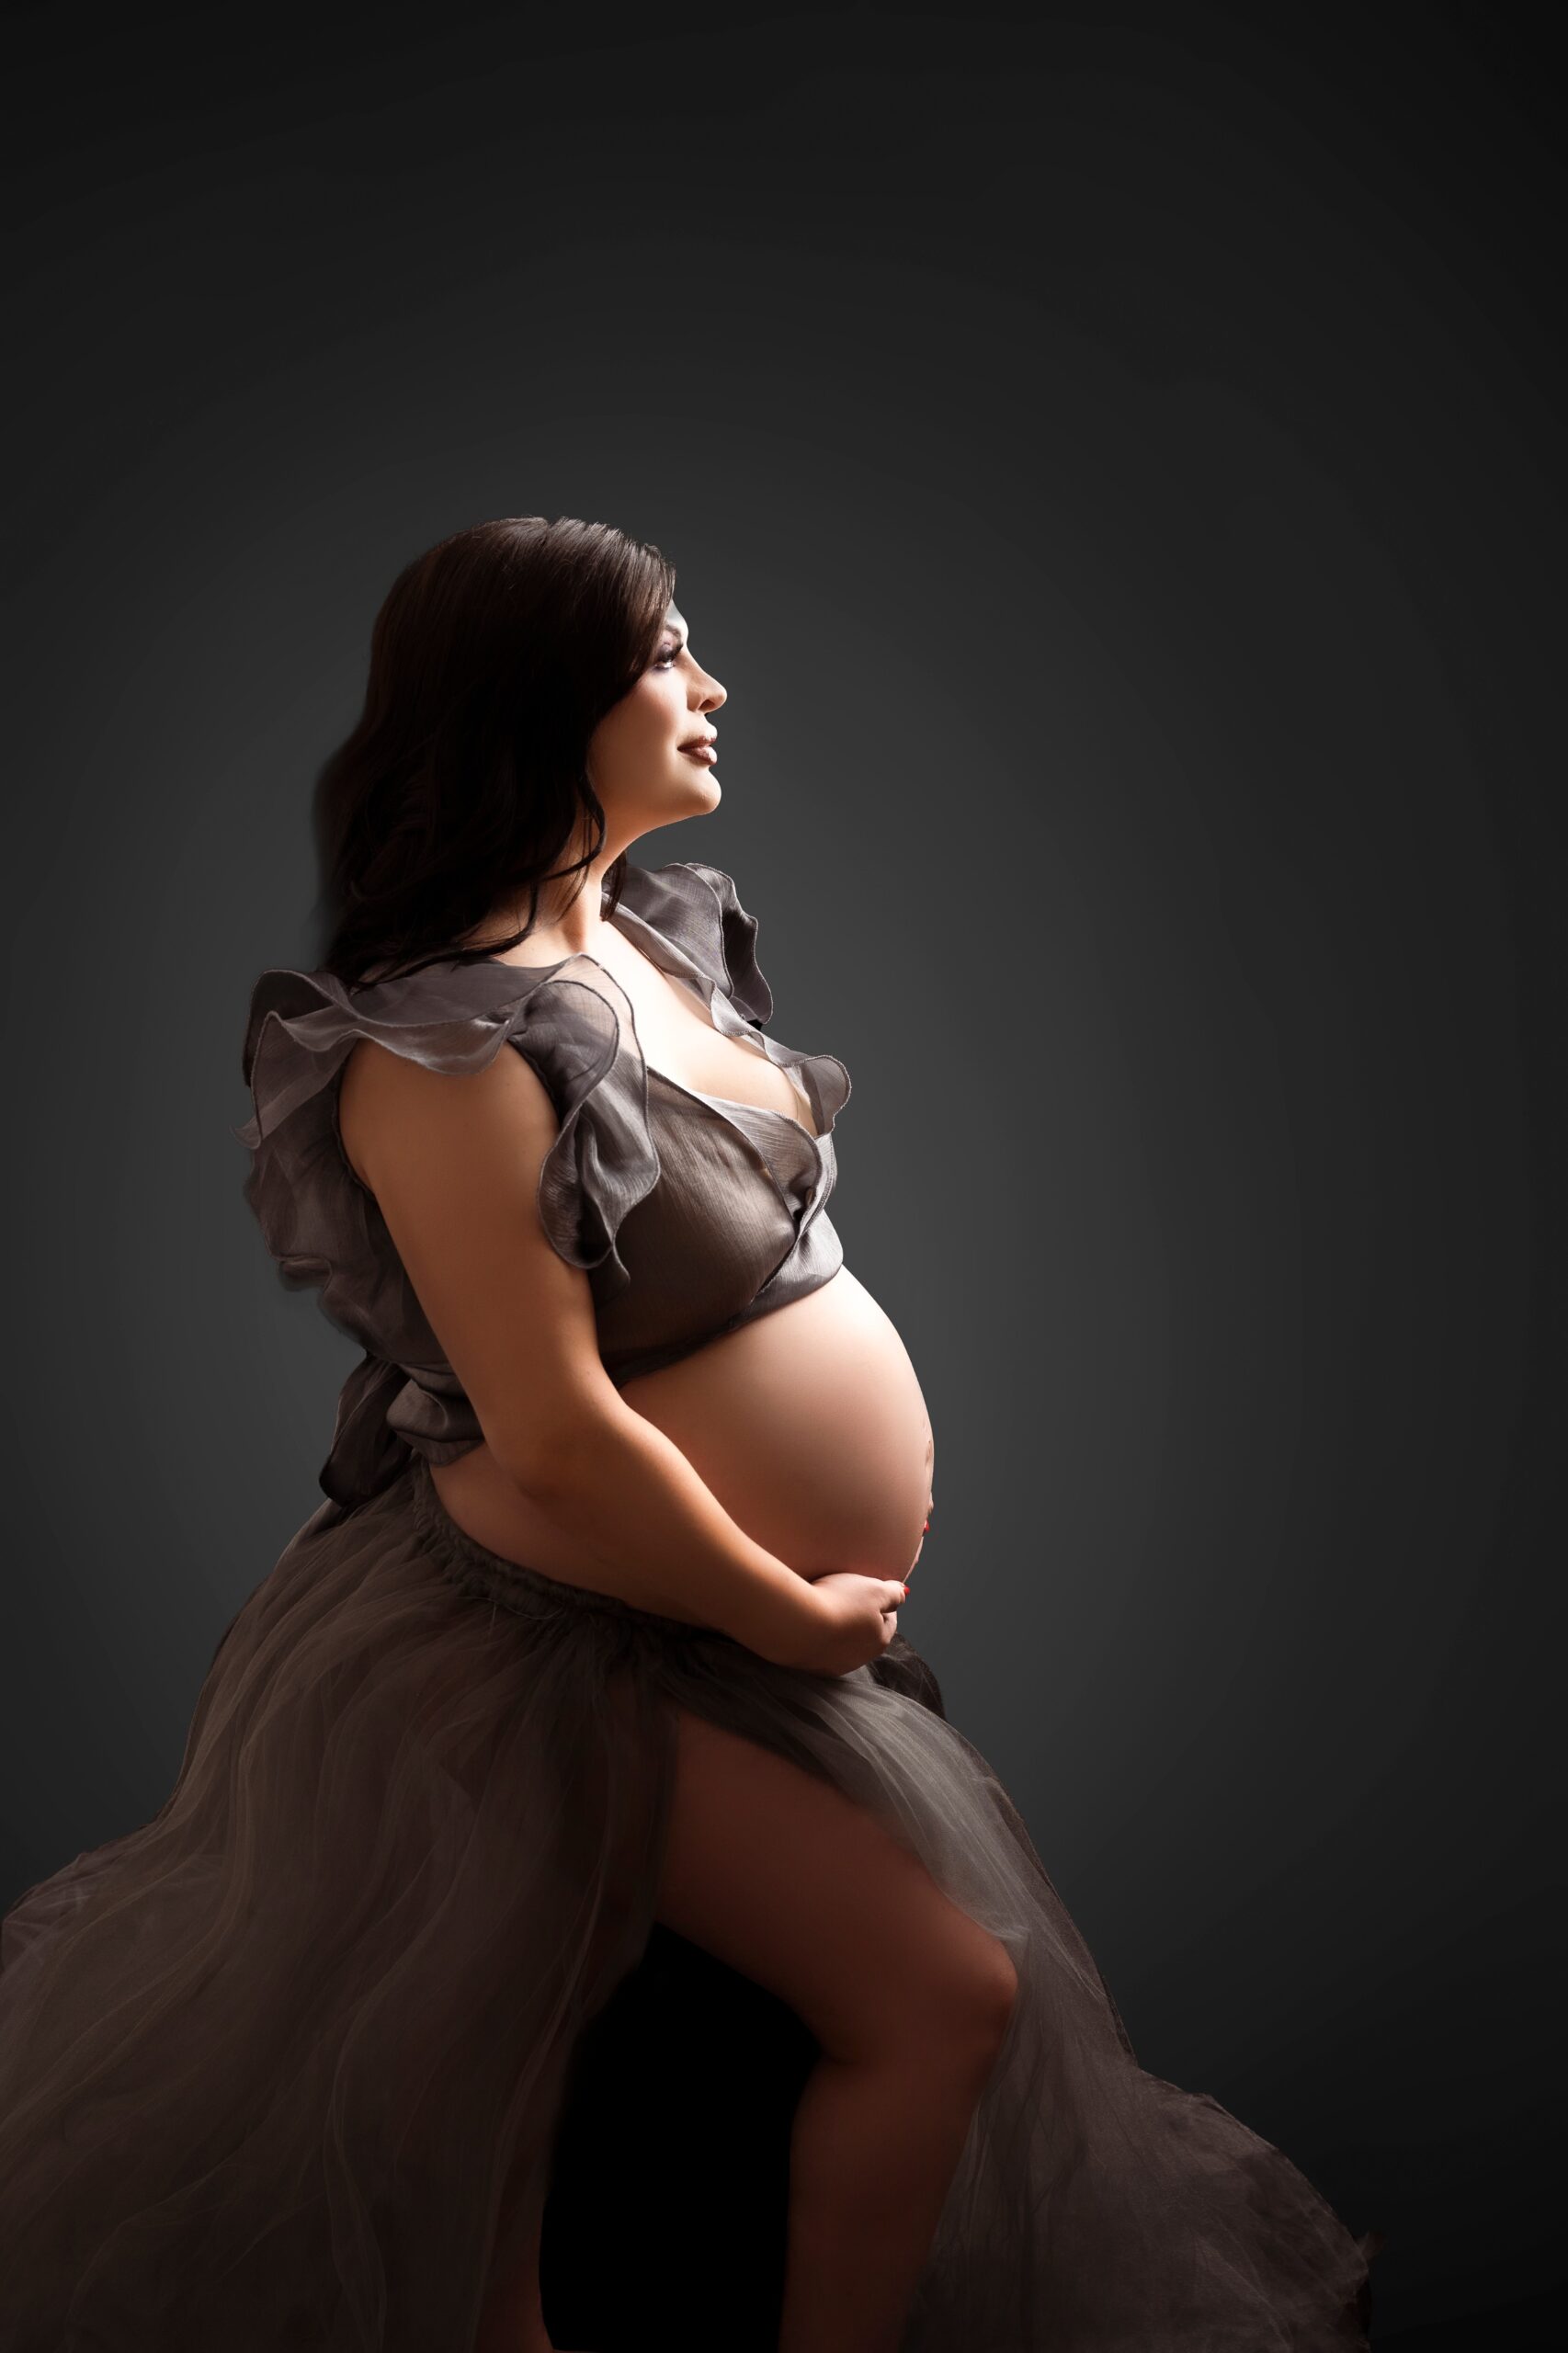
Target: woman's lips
706	753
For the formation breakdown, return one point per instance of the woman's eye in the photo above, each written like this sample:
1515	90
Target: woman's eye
667	654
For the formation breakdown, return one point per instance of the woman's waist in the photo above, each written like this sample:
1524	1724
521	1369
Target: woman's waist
461	1540
495	1516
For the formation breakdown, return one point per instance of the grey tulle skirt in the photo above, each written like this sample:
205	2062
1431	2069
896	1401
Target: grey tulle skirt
284	2067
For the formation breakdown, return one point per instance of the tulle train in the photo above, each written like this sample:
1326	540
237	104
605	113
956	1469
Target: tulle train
282	2067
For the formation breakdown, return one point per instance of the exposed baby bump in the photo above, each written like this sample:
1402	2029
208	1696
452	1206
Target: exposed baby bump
810	1427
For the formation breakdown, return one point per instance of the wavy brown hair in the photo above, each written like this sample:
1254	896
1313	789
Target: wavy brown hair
493	658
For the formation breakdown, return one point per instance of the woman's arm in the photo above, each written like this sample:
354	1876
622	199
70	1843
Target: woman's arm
453	1163
664	1540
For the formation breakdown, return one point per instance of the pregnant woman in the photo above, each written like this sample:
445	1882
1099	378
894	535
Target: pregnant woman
594	1637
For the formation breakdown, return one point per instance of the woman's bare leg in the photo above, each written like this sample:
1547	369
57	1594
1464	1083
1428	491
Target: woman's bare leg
873	2151
781	1876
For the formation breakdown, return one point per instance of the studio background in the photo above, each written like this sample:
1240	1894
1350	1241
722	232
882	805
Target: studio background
1110	460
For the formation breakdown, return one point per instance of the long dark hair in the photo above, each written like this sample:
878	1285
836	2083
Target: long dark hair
493	659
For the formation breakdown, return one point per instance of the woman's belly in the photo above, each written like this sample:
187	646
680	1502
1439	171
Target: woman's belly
807	1424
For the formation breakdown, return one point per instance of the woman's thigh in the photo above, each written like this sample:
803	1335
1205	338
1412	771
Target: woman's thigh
783	1876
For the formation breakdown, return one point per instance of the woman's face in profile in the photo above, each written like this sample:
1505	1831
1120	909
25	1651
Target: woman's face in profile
638	763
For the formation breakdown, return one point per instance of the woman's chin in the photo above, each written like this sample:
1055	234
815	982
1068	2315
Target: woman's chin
692	797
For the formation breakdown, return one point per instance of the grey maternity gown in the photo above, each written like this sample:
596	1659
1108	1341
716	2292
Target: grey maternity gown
268	2063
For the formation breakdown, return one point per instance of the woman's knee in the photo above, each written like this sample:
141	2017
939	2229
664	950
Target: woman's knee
961	2005
993	1994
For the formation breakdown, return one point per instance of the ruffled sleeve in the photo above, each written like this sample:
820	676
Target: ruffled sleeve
693	910
325	1230
697	906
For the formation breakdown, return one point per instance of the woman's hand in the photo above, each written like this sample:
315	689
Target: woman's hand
853	1620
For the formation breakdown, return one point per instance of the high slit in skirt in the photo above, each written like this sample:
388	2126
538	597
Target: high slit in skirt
287	2065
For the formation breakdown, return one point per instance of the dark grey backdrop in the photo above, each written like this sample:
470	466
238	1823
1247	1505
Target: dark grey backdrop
1111	464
